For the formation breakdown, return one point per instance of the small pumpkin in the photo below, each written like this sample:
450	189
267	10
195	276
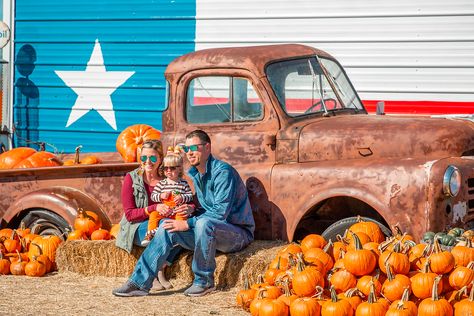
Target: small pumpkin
17	267
422	282
462	276
246	295
369	228
312	241
4	265
100	234
441	262
404	301
359	261
395	284
48	246
435	305
372	306
305	279
35	268
304	306
77	234
465	306
87	221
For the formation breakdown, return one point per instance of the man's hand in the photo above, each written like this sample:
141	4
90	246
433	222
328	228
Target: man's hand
173	225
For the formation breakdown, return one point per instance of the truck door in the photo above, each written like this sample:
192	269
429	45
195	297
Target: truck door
234	109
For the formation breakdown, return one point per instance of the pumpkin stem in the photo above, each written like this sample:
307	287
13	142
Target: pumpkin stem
328	246
388	268
471	295
357	243
246	282
334	298
406	294
372	297
76	156
435	296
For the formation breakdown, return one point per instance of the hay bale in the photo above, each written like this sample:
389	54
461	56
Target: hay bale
102	258
96	257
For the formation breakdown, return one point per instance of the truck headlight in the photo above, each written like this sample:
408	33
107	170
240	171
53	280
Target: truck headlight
451	181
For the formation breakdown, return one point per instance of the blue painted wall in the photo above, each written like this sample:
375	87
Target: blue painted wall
137	37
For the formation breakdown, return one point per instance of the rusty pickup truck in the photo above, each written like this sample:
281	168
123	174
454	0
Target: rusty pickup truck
290	121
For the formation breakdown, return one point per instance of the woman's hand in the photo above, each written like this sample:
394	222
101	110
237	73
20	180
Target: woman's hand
184	210
164	210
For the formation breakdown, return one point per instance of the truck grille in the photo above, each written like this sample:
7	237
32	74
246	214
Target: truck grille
470	192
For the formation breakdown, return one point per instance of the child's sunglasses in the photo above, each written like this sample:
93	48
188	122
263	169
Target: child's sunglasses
144	158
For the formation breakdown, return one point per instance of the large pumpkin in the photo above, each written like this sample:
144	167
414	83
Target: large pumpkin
25	157
131	139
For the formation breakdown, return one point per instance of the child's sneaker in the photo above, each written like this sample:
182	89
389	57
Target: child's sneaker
147	239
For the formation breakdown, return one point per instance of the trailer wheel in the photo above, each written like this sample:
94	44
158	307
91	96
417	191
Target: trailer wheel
339	227
44	222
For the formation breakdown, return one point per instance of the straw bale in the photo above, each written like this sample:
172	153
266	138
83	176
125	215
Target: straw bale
102	258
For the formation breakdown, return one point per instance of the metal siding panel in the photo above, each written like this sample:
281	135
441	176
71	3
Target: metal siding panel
136	41
392	50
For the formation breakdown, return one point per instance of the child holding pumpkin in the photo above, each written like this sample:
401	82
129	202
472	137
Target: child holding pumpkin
171	191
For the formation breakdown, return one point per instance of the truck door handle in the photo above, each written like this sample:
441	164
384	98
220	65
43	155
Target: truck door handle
365	151
269	140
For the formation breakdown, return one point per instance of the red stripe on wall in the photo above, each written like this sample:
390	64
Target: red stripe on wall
391	107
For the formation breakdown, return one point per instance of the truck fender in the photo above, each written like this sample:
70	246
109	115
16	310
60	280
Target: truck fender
64	201
363	196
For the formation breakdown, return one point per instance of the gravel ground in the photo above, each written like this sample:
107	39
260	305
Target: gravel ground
68	293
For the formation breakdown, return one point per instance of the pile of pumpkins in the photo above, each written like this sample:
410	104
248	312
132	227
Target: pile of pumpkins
25	253
26	157
364	273
88	226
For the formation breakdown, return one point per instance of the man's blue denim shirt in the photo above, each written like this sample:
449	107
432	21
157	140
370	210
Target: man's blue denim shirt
222	195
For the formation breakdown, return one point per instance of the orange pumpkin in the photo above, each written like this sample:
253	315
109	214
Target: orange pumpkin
4	265
25	157
17	267
77	235
87	221
395	285
336	306
246	295
462	276
131	139
305	279
422	283
369	228
466	306
441	262
100	234
359	261
35	268
405	303
435	305
48	246
304	306
312	241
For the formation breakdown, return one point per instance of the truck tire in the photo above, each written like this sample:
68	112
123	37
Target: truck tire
339	227
44	222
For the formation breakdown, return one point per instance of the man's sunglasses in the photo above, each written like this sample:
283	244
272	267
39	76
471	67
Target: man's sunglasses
192	147
144	158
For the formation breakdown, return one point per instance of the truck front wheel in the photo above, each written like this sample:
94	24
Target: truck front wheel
44	222
339	227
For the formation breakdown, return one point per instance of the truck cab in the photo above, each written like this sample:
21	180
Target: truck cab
289	120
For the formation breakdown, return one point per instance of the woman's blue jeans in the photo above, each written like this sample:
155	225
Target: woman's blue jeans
204	239
140	235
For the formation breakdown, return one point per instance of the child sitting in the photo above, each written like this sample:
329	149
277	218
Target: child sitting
171	191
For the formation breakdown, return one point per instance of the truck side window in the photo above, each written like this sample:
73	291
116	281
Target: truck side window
220	99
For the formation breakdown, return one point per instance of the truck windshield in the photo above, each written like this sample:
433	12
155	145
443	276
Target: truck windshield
302	86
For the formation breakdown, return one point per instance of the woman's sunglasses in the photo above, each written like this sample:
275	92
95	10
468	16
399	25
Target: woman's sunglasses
192	147
144	158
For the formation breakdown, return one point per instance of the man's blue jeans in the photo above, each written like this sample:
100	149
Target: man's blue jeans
204	239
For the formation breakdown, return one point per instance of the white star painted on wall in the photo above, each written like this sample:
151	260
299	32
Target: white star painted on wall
94	86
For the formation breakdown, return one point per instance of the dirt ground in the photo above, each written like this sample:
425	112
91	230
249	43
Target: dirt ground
69	293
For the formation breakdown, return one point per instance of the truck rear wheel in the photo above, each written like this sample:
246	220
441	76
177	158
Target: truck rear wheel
44	222
339	227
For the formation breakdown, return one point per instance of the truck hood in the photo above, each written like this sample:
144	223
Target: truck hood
357	136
